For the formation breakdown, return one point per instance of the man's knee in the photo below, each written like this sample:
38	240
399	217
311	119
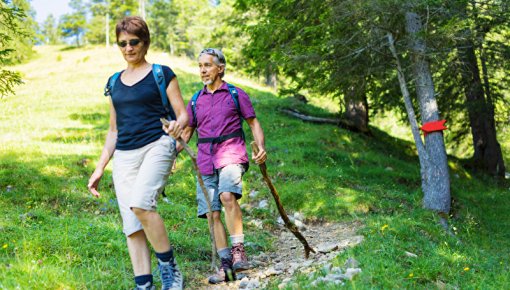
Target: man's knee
228	199
216	216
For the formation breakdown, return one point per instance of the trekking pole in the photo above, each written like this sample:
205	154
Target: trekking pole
193	156
288	223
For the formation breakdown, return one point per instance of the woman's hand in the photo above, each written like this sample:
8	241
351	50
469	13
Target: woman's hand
94	182
173	129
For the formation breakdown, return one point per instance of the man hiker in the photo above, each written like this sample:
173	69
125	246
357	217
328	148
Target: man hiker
216	112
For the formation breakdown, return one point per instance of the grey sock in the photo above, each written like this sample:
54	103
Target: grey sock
224	253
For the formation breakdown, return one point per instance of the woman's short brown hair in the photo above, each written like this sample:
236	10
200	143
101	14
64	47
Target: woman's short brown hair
134	25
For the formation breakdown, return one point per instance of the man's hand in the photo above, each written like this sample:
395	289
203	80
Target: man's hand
172	128
260	157
94	182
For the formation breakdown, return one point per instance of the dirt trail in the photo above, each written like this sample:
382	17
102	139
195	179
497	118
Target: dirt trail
327	238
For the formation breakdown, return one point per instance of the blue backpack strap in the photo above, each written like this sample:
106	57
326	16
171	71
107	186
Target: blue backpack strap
194	100
108	89
159	76
235	96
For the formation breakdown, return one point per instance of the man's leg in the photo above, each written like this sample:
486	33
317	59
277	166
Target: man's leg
226	272
233	214
234	221
220	235
230	189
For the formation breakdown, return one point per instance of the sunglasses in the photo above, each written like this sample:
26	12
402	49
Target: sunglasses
209	51
131	42
214	52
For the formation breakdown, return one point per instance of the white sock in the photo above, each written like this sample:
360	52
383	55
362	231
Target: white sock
237	239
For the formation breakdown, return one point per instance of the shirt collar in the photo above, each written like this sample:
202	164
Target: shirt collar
221	88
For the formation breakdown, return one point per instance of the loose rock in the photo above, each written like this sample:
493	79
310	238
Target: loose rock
327	247
409	254
301	226
253	193
256	223
351	272
351	263
263	204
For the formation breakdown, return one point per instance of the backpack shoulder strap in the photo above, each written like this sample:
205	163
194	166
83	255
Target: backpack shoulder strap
235	96
159	76
194	100
108	89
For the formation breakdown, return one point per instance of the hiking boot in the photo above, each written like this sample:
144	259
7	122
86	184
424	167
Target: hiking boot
147	286
239	260
171	277
225	274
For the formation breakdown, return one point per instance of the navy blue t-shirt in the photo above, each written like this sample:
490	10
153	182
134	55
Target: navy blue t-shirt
138	108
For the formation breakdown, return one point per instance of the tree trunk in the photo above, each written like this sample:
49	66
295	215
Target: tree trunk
435	176
271	77
422	153
492	156
107	30
487	151
141	8
356	106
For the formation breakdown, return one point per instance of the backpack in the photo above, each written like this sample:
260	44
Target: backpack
235	97
159	77
219	139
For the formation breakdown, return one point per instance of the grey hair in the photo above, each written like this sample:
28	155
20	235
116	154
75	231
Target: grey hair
218	58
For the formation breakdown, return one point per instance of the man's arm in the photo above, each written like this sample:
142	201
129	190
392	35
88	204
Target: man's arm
258	136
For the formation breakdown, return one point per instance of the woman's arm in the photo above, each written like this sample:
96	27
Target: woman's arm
106	155
174	96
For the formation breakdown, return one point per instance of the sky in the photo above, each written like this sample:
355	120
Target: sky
43	8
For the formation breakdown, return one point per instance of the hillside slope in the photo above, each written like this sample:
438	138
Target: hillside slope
54	235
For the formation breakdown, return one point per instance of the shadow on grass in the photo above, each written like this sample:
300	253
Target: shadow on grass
48	215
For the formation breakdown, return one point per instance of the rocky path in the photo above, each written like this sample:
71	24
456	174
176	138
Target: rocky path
328	239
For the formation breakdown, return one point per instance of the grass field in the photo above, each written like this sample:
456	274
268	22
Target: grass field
55	235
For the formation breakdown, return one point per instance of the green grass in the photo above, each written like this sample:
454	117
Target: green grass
55	235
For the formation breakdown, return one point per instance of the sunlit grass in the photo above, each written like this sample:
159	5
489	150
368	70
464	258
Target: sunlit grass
54	235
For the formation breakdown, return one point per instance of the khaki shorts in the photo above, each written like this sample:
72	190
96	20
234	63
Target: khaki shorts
139	176
226	179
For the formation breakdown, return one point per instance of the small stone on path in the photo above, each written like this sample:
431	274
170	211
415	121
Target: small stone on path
327	247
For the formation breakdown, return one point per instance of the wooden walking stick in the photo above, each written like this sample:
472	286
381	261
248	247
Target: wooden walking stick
193	156
288	224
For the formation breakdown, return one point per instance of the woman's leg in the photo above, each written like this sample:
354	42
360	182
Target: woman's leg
149	183
154	229
139	253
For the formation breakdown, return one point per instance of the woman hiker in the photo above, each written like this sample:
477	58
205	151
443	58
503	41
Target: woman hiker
142	153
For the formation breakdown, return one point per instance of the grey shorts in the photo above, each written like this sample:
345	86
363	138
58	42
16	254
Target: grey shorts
139	176
226	179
